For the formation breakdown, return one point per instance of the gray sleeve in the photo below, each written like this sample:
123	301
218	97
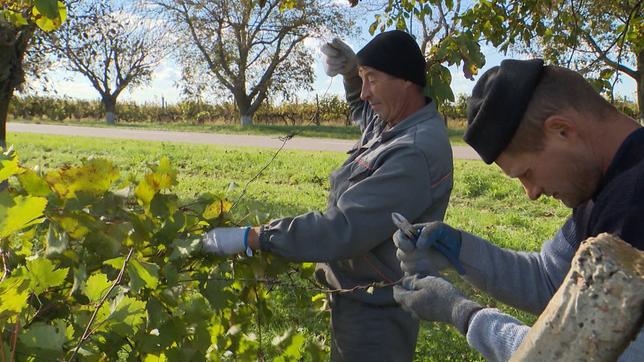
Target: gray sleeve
361	112
361	219
525	280
495	335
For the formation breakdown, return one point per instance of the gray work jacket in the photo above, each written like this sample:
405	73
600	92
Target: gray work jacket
406	169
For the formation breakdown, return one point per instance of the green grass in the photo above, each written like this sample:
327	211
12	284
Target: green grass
323	131
483	202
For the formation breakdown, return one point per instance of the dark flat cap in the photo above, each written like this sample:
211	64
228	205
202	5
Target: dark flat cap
396	53
497	105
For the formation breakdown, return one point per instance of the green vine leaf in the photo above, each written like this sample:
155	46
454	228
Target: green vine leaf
44	340
9	165
18	212
14	291
44	274
142	274
96	286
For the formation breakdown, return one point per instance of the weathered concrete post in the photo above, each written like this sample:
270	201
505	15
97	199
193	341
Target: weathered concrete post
598	309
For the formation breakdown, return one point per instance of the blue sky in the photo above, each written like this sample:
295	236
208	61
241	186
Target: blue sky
164	81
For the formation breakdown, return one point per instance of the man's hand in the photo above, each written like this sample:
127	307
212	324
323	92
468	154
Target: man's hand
339	58
437	247
225	241
435	299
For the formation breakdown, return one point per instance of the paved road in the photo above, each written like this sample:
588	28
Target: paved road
297	143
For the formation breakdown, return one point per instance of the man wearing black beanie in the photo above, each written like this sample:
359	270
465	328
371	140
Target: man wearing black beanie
547	127
402	163
404	152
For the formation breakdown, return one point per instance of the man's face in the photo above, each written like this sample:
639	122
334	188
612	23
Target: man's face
385	93
563	170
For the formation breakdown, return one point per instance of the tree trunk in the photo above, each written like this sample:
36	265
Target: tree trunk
109	102
596	312
246	120
13	45
242	102
6	92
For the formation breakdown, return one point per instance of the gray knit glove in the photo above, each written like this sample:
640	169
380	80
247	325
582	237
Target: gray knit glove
339	58
435	299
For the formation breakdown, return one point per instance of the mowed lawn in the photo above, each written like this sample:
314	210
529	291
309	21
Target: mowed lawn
484	201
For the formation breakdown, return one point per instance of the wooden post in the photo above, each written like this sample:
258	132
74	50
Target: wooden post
597	311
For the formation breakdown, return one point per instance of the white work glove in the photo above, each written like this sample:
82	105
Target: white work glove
226	241
338	58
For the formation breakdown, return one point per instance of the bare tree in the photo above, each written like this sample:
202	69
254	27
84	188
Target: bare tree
113	45
249	48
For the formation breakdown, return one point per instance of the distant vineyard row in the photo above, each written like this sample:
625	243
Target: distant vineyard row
326	110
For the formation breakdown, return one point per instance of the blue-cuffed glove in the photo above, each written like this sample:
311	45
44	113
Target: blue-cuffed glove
226	241
443	238
421	257
425	261
435	299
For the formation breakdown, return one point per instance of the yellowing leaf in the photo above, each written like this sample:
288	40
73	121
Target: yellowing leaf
75	225
215	209
9	166
155	358
94	177
163	177
44	275
49	24
19	212
145	192
33	184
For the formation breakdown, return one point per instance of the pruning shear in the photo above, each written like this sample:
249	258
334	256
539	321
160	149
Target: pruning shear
404	226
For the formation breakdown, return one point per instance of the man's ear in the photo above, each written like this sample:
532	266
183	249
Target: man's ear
560	127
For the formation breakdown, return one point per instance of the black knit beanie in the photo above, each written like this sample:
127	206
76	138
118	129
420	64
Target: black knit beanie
499	100
396	53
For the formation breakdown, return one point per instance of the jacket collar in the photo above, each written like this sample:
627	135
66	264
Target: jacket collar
629	154
425	113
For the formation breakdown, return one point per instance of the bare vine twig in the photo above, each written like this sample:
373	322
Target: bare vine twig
117	281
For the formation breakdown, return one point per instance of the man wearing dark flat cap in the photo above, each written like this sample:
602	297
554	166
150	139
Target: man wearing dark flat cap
403	163
546	126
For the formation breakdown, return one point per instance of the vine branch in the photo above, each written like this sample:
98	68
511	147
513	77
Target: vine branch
117	281
294	285
5	265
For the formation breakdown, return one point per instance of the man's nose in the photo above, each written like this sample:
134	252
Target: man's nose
533	191
365	93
